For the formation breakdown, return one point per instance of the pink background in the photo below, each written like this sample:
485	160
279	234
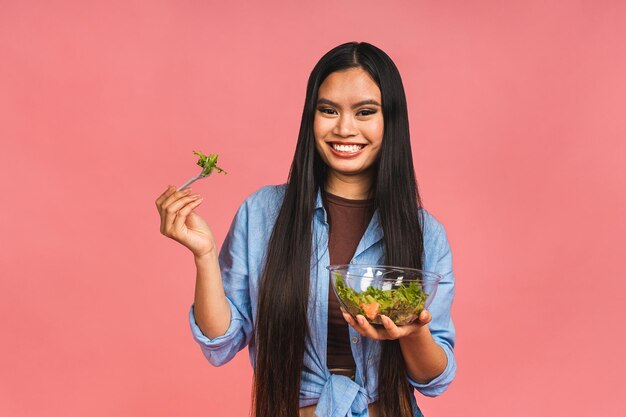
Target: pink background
518	126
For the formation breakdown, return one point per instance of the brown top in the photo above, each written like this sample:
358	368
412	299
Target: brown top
348	220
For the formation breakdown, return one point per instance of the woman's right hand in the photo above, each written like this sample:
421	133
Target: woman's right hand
181	223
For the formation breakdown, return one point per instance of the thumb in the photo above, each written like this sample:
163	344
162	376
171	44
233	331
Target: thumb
424	317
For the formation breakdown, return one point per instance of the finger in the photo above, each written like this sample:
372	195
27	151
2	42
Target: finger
393	331
347	317
424	317
172	212
169	191
175	196
167	203
352	322
366	329
166	199
181	216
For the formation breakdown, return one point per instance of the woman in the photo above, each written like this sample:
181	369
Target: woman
351	197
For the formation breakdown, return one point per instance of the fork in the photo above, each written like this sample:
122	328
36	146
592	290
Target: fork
194	179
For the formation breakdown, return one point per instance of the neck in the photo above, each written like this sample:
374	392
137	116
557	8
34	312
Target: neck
353	187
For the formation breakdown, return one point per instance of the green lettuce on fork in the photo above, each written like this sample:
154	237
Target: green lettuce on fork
208	163
402	305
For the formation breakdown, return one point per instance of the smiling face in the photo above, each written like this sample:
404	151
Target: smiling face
348	129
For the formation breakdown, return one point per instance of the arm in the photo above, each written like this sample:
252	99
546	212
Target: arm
424	358
220	318
438	258
180	223
223	329
211	309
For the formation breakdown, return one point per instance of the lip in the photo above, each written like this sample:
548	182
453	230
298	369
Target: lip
346	155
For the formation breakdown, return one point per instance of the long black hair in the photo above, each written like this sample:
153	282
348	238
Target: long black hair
282	327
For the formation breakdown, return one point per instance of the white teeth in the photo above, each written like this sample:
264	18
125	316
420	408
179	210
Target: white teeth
347	148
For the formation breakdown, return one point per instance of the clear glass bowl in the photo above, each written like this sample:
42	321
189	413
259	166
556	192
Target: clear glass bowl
371	290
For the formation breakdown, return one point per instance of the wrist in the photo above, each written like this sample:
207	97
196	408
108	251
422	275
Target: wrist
205	258
420	335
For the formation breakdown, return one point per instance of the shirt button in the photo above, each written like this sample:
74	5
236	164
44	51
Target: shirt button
355	339
353	261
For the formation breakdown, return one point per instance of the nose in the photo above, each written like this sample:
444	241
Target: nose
345	126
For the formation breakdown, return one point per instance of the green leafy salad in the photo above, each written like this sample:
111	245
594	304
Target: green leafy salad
402	305
208	163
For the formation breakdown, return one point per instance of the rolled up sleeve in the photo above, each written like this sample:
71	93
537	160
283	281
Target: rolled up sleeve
438	258
223	348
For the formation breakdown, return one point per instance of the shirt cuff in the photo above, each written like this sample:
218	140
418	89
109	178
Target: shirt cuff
220	341
440	383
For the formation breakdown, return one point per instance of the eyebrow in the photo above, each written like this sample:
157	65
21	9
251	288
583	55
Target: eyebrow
355	105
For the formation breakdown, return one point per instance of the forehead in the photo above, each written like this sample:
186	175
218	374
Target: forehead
350	85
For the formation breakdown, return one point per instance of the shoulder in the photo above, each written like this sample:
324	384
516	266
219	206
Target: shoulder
431	227
260	209
256	216
435	239
269	197
267	193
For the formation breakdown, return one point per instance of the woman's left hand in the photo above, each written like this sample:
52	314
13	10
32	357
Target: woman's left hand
389	331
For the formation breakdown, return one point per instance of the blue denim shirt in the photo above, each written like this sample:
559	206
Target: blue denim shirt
242	260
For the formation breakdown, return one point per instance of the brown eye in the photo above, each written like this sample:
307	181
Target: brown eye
326	110
366	112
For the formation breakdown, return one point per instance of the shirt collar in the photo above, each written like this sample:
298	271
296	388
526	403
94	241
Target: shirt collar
320	211
319	202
